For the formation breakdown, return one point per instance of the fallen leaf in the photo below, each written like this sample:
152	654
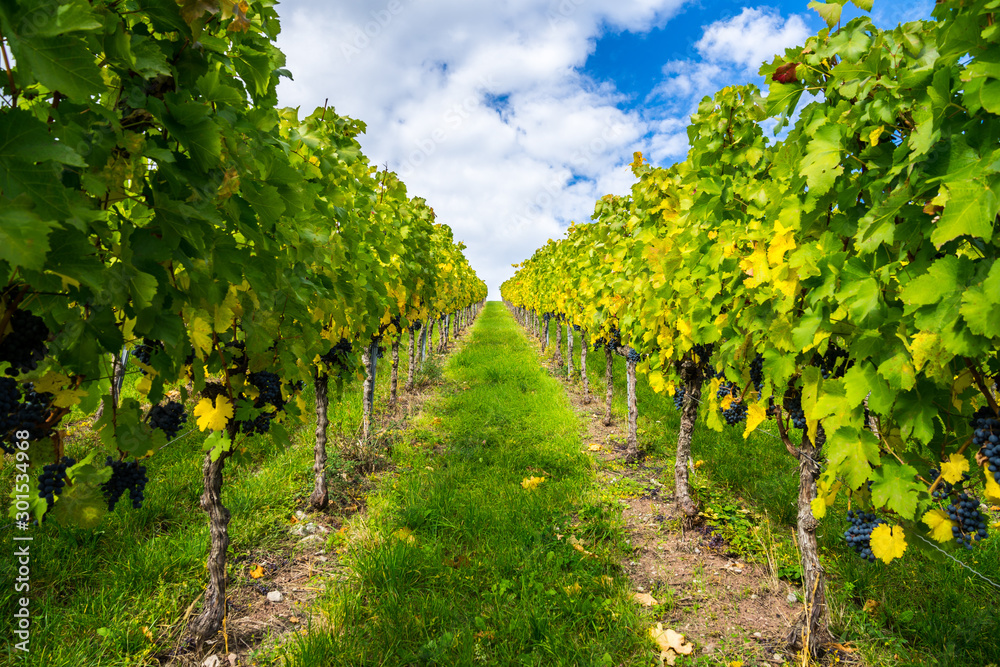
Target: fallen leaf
575	588
645	599
671	643
595	447
531	483
257	572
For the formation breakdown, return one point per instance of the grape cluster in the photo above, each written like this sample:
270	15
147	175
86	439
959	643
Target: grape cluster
702	354
125	476
757	372
576	327
546	317
793	408
168	417
145	350
632	355
339	353
614	341
53	479
737	411
10	397
25	345
599	343
28	414
859	535
971	523
679	398
986	437
269	387
834	363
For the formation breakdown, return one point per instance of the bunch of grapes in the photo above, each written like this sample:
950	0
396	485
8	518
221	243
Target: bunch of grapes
125	476
859	535
339	353
632	355
168	417
25	345
53	479
269	387
737	411
986	437
145	350
10	396
971	523
259	424
31	413
546	317
679	398
599	343
793	408
576	327
413	327
834	363
757	372
238	357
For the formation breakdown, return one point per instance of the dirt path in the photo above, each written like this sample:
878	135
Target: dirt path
735	613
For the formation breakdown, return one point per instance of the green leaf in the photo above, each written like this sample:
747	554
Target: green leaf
821	163
59	19
80	505
971	210
863	5
852	454
24	237
61	63
827	11
981	305
894	486
24	137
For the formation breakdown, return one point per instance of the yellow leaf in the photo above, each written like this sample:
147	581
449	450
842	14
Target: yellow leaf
992	490
144	384
940	525
530	483
595	447
571	590
293	619
818	507
779	246
962	382
147	633
257	572
671	643
874	135
213	417
888	542
50	382
645	599
727	402
756	414
953	468
656	381
67	398
200	333
405	535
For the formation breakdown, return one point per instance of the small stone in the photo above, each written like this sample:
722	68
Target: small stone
792	598
275	596
300	515
232	658
757	635
753	596
779	658
211	661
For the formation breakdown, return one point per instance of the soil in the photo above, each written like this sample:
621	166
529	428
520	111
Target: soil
301	568
734	612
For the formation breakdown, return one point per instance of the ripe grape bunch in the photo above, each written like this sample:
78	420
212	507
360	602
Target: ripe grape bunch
614	341
10	397
632	355
757	372
834	363
793	408
25	345
859	534
986	437
144	351
971	524
679	399
167	417
125	476
737	411
53	479
22	413
339	353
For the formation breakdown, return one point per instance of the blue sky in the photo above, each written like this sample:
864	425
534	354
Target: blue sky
512	117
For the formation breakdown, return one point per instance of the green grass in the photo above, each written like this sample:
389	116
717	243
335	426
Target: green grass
923	608
459	564
94	591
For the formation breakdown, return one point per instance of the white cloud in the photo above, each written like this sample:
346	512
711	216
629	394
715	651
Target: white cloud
480	107
751	38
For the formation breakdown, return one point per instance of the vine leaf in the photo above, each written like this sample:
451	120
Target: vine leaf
992	489
939	523
213	416
829	12
888	542
894	487
953	469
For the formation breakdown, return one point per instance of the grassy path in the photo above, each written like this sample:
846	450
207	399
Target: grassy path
459	563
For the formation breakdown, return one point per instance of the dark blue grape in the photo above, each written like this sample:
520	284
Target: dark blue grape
167	417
